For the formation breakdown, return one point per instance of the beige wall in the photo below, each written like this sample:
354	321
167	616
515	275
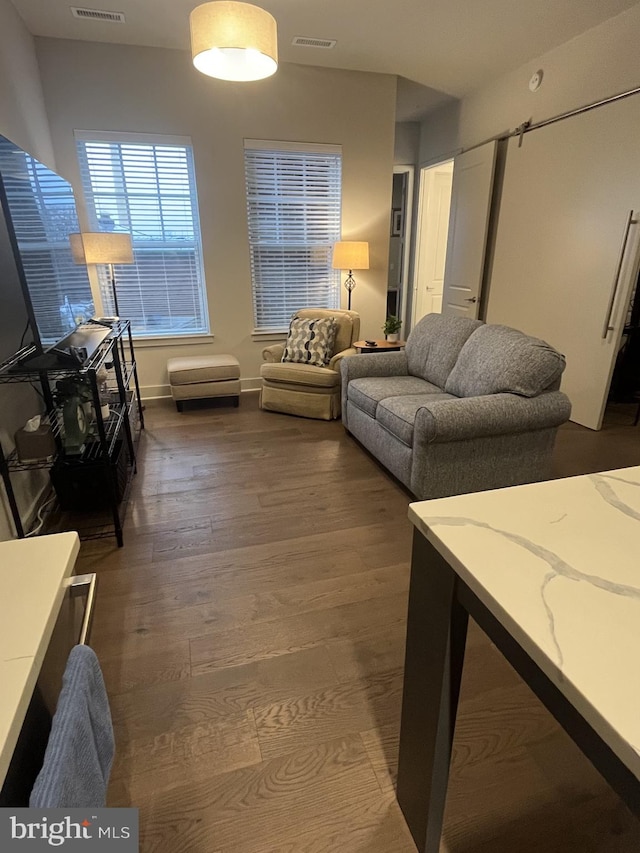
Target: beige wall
114	87
601	62
439	134
407	143
22	113
23	120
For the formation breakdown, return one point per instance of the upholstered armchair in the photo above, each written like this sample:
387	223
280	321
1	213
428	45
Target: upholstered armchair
302	389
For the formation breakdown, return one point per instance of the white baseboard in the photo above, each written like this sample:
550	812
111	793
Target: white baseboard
28	517
31	517
155	392
163	392
251	384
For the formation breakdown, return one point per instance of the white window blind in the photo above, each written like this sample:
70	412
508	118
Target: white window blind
147	188
294	206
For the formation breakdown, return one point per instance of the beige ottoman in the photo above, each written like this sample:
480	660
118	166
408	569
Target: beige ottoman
202	377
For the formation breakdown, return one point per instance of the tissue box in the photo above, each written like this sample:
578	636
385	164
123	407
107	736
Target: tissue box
36	446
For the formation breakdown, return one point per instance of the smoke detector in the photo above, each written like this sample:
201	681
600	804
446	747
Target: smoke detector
307	41
97	15
536	80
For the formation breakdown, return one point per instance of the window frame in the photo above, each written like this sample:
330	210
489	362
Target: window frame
263	332
152	336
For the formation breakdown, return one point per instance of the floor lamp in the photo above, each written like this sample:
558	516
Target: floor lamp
350	255
103	247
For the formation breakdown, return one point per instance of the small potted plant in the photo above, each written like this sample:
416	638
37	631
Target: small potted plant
391	327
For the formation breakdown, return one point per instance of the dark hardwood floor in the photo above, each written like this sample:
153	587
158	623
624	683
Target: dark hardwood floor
251	633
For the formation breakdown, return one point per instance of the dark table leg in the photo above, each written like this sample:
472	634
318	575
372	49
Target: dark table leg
436	635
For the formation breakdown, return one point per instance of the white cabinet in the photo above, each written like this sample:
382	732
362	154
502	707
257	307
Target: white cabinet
34	578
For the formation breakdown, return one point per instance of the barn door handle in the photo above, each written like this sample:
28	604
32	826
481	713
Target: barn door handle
616	280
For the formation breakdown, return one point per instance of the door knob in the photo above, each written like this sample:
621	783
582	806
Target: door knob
472	299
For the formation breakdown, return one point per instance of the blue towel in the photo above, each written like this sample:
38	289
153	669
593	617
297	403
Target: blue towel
77	762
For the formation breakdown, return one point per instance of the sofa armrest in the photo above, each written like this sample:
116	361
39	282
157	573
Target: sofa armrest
273	353
494	414
336	360
374	364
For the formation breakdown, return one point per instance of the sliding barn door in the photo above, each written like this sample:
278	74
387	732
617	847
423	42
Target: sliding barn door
566	251
468	228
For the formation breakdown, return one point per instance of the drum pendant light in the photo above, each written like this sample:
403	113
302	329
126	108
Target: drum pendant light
234	41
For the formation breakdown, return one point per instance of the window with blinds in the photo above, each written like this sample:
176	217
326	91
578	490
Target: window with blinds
147	188
294	207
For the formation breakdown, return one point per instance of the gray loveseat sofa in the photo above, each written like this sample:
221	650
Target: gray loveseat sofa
465	407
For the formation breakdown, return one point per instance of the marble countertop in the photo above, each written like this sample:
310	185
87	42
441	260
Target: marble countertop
558	563
33	581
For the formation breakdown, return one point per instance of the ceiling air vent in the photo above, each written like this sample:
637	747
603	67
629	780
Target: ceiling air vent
305	41
97	15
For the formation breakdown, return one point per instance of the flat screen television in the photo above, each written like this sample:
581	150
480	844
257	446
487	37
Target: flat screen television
39	213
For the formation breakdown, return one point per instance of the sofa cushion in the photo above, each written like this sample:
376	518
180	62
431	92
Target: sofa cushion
499	359
435	344
366	393
310	341
202	368
397	414
299	374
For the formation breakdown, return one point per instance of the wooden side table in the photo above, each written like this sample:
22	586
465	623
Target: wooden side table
379	346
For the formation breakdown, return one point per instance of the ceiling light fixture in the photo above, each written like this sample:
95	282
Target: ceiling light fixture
234	41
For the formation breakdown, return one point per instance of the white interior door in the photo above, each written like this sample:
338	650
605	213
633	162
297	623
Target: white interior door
435	204
468	229
560	270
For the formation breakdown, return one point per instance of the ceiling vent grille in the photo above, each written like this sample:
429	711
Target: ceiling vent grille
97	15
305	41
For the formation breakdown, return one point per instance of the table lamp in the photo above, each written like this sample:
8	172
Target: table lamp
350	255
103	247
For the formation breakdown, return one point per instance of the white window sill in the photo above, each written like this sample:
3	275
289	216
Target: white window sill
263	337
171	340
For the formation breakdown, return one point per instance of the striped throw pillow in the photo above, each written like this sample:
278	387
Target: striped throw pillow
310	341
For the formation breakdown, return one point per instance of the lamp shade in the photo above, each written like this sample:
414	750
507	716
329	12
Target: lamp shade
77	248
101	247
234	41
350	255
